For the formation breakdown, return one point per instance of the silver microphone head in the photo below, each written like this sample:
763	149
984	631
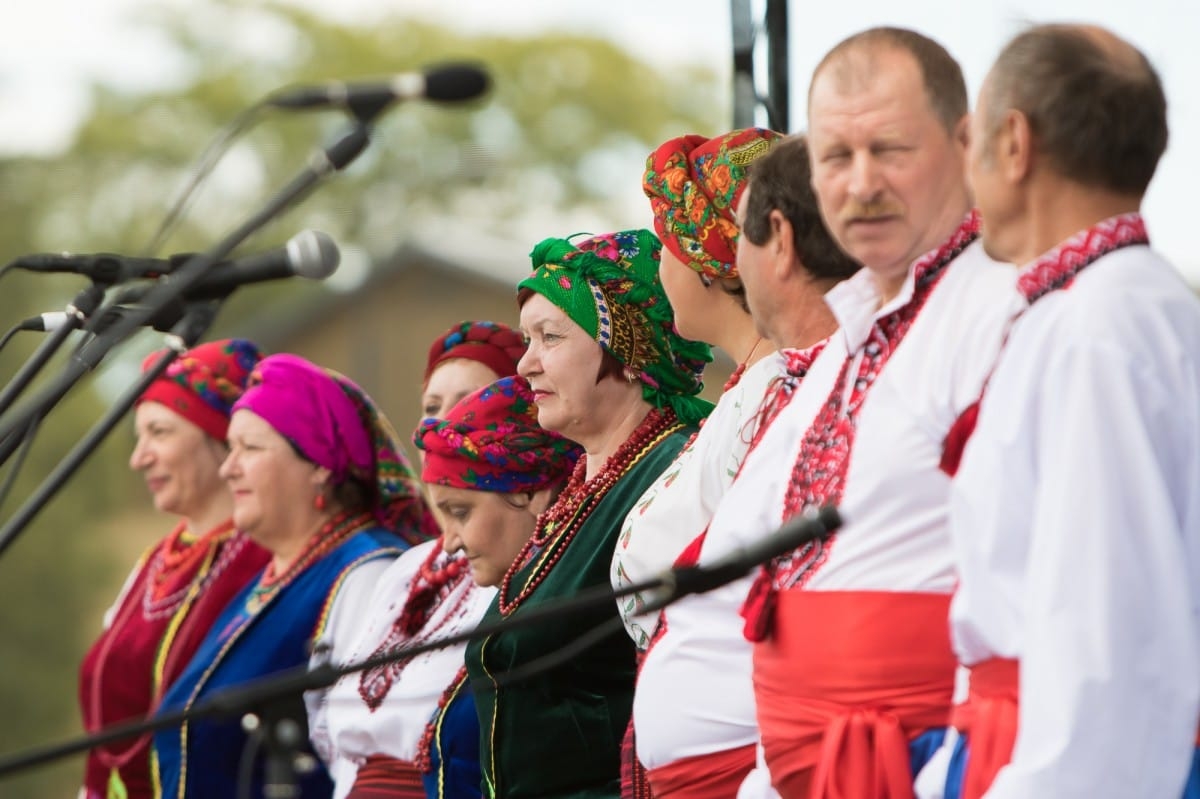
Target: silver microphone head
313	254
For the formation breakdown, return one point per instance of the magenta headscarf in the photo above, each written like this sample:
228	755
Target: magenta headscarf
333	423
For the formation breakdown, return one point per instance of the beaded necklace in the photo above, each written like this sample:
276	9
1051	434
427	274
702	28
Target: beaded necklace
177	558
332	533
736	376
434	582
558	525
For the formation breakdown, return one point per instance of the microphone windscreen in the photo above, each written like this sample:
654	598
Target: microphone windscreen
455	82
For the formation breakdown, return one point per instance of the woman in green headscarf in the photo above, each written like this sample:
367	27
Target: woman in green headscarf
609	372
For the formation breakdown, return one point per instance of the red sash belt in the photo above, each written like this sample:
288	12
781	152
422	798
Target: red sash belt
989	718
716	775
845	682
383	777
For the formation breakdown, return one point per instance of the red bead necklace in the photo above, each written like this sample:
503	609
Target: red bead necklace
332	533
557	526
437	578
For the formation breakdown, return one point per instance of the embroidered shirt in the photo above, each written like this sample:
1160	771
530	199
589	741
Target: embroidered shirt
894	497
680	503
1076	520
345	729
699	650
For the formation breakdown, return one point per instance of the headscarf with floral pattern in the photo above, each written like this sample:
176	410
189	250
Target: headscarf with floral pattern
694	183
609	286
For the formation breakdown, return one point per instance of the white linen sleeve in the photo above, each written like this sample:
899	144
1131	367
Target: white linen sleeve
1109	691
351	607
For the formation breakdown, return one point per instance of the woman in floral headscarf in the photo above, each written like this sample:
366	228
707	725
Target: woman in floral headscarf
491	470
608	371
318	480
695	647
467	357
182	582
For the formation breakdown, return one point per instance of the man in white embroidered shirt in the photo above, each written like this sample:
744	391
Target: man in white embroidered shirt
1076	508
853	668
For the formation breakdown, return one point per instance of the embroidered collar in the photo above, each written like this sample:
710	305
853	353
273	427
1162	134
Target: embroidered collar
1057	268
855	302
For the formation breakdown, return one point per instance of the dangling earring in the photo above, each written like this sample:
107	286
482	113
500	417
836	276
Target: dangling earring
319	502
630	375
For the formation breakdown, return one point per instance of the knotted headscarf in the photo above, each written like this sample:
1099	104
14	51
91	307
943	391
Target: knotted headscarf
497	346
202	384
334	424
609	286
694	183
491	441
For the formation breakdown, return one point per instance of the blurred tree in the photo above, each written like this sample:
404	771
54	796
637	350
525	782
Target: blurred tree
569	120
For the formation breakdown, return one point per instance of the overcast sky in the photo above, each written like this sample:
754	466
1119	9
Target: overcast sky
54	48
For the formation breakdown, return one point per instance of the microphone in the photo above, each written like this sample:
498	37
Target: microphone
103	267
309	254
804	528
44	323
446	83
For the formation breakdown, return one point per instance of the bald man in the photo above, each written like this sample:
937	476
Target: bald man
1076	509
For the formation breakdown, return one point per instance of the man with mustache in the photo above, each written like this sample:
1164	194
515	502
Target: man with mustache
853	669
1075	512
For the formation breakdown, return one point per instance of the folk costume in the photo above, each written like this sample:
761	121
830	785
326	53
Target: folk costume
175	592
853	673
287	620
1075	522
694	184
580	707
391	731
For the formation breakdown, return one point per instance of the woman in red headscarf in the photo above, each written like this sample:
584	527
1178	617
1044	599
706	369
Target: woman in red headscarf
410	729
374	723
465	358
182	582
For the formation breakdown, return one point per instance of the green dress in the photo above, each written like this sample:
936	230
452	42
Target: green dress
558	734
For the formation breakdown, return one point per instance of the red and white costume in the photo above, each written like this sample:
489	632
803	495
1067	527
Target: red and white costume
1076	522
854	648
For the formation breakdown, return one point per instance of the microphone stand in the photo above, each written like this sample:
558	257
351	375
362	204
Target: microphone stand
196	320
322	163
168	290
78	311
269	692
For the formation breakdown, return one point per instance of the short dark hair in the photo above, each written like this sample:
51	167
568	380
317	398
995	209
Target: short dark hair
781	181
941	74
1096	108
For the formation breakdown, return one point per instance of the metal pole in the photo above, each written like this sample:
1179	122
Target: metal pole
745	96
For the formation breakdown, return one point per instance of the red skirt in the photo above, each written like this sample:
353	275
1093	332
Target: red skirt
716	775
383	777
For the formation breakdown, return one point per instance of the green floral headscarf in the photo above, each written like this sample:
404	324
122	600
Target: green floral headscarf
609	286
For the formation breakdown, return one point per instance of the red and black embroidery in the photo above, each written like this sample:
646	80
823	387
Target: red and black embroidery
1054	271
819	474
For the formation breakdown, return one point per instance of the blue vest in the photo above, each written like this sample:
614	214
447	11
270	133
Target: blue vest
454	750
203	759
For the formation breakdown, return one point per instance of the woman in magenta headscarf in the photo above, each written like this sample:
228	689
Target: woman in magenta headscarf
318	480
